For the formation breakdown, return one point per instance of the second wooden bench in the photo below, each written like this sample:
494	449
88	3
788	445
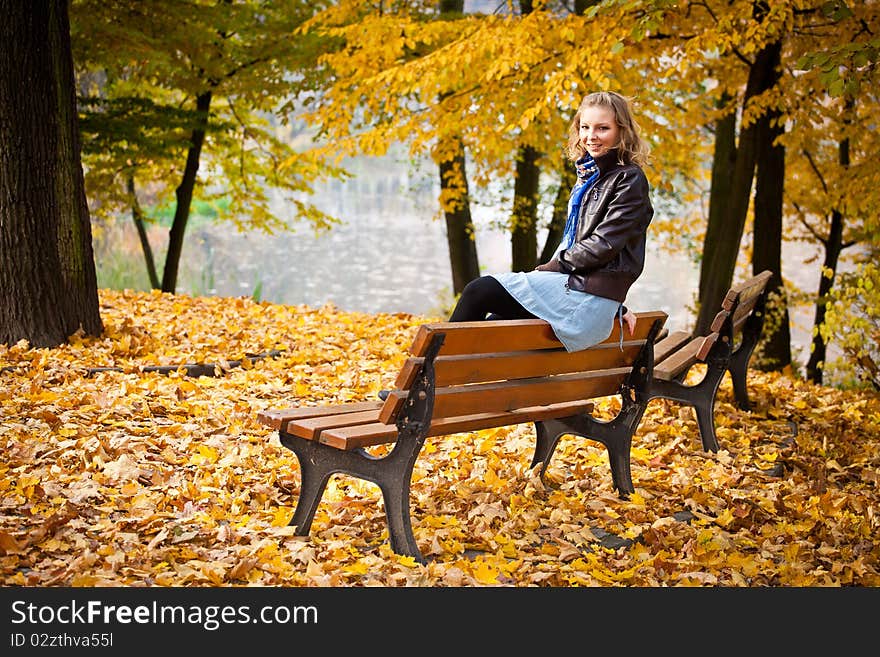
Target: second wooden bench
728	347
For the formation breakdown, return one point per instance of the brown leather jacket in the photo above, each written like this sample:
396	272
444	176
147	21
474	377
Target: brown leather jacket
609	250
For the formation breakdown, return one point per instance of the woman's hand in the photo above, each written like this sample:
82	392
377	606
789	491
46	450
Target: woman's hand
553	265
630	319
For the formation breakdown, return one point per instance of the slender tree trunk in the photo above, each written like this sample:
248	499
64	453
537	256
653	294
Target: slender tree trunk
184	195
767	248
137	216
524	219
567	178
833	248
459	225
524	216
722	242
48	285
455	198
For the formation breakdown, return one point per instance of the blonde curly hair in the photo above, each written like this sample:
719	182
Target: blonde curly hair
631	148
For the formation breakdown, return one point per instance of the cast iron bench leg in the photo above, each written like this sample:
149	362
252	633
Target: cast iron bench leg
615	434
547	435
738	365
314	475
391	473
739	360
397	514
701	396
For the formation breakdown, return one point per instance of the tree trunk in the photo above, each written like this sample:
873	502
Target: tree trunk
459	225
722	242
48	285
767	248
524	219
455	197
833	248
184	195
567	176
524	216
818	348
137	216
723	163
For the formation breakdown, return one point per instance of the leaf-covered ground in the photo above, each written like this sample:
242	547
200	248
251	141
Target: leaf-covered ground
131	478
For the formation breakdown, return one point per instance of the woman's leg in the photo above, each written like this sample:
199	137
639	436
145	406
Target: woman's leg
479	298
486	295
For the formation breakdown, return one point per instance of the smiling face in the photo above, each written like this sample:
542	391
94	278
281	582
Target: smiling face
598	130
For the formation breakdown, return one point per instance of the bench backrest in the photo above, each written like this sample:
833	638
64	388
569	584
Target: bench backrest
679	350
738	304
499	366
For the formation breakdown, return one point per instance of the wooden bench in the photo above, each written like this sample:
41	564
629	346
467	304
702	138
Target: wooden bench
735	332
464	377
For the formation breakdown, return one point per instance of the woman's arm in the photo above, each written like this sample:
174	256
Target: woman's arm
624	218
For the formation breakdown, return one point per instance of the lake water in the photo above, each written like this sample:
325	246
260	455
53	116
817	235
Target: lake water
390	254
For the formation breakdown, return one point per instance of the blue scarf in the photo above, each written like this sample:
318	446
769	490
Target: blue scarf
587	173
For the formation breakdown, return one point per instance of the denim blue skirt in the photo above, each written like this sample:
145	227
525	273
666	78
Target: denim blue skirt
578	319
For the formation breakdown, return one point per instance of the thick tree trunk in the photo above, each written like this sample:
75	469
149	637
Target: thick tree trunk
833	248
184	194
48	286
767	248
524	218
723	163
460	235
722	242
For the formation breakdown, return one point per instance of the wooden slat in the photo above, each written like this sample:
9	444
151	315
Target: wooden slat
670	343
487	336
743	310
719	320
679	361
367	435
362	435
747	290
465	368
277	417
310	428
509	395
510	335
738	324
755	285
706	346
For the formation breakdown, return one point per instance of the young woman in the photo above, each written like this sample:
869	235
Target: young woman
582	288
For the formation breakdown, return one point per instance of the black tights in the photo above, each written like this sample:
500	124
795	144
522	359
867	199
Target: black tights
486	296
